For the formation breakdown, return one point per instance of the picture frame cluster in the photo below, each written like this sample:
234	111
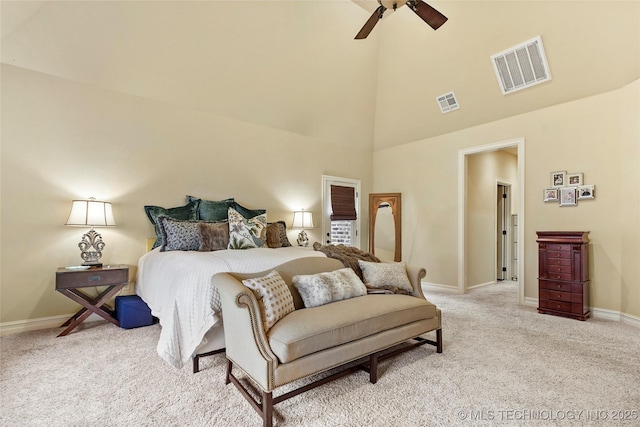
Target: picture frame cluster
568	188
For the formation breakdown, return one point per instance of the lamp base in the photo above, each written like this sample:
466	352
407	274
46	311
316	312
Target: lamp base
93	264
303	240
91	240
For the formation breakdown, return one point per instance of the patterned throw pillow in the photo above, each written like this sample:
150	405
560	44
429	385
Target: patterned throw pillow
213	237
390	276
323	288
188	211
246	233
282	228
274	297
178	235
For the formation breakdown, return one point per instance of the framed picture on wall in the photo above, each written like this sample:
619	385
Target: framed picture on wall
574	179
550	195
568	196
558	179
586	192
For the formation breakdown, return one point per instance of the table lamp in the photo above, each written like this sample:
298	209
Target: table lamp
91	213
302	220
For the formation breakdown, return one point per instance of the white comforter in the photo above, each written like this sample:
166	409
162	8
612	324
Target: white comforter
177	287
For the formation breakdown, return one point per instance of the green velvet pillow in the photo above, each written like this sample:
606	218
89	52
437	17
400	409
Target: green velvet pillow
188	211
247	213
211	210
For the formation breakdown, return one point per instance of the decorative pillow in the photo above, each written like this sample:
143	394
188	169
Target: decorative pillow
178	235
323	288
276	235
273	235
274	297
391	276
246	233
247	213
284	240
210	210
188	211
213	236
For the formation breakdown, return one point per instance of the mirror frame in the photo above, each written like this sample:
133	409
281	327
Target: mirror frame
395	202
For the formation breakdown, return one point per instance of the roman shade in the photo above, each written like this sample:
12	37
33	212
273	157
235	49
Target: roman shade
343	203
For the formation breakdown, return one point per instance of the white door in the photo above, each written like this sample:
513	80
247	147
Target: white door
336	232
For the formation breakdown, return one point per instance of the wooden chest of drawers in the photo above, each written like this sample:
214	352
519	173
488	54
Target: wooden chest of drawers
563	273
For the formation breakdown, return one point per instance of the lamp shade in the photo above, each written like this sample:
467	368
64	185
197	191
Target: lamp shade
302	219
91	213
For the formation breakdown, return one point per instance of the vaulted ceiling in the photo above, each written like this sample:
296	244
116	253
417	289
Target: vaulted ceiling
272	62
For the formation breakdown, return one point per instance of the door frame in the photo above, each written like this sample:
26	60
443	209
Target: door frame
462	215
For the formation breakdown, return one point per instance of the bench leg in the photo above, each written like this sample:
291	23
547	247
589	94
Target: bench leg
267	409
264	408
373	368
227	378
196	364
196	358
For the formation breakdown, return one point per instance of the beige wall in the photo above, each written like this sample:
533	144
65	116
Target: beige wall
63	140
598	136
483	172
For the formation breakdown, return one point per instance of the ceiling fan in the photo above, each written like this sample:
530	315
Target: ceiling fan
428	14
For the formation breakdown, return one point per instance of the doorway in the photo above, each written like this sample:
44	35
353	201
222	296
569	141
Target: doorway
517	145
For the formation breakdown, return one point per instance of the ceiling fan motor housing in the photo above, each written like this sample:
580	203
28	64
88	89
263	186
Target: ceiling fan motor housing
391	4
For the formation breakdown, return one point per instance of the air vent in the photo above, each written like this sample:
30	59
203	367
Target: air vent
521	66
447	102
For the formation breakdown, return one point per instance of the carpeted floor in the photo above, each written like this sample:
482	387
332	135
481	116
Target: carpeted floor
502	365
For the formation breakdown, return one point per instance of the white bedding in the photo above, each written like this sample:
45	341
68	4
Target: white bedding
177	287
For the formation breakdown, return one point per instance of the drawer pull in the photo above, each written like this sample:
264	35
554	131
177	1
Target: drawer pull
94	278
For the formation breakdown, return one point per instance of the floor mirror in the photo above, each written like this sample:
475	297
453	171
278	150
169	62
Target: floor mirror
385	226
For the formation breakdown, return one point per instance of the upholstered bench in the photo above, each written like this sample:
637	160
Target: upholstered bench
307	341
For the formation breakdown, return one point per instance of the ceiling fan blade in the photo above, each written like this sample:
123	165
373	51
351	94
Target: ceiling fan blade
428	14
371	22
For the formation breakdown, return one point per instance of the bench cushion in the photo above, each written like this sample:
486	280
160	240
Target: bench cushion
310	330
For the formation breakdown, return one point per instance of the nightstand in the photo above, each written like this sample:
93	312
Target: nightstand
69	282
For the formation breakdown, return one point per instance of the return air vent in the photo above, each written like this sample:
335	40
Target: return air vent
447	102
521	66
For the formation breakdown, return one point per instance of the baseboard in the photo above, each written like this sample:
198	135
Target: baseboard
439	287
599	313
52	322
8	328
481	285
630	320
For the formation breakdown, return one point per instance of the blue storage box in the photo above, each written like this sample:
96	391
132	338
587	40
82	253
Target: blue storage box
132	312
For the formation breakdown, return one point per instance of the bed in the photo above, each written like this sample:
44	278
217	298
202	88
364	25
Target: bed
194	242
176	285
